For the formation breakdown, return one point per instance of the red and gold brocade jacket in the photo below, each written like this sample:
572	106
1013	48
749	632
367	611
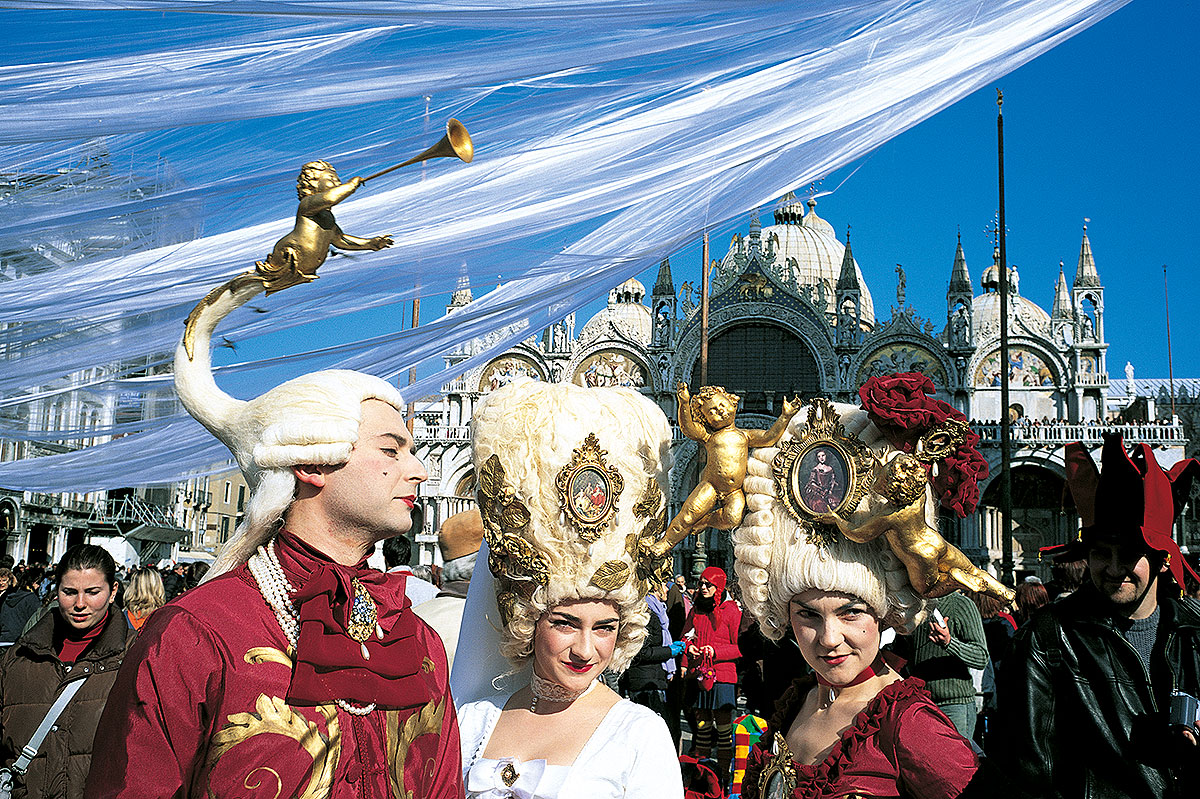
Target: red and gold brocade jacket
198	710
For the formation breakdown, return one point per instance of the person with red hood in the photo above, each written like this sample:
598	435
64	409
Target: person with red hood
711	634
1098	696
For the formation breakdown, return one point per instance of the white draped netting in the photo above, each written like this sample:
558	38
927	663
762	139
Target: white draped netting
608	133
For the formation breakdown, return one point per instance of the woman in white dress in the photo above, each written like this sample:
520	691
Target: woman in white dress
563	598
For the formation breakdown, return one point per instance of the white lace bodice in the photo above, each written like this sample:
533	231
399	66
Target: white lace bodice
629	755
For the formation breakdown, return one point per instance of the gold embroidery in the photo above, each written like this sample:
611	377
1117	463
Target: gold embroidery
273	716
427	721
428	666
255	786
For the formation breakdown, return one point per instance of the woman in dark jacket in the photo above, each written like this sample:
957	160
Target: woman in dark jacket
81	639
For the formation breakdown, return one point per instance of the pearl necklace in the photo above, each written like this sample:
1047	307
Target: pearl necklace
546	691
277	590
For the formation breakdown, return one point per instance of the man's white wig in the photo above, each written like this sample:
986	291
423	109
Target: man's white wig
776	560
527	441
310	420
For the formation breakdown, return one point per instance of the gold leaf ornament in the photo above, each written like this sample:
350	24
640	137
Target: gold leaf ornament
611	575
512	559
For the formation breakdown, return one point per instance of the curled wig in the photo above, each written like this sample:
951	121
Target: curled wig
776	560
534	430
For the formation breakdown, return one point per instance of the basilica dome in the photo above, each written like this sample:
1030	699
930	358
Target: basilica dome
1024	317
625	316
807	253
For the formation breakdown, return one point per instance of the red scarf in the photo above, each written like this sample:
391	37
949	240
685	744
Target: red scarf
329	663
75	642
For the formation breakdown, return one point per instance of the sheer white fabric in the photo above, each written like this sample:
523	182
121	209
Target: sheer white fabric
608	134
629	755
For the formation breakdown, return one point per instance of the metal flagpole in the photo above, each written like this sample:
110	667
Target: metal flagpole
1006	564
704	313
1170	366
700	553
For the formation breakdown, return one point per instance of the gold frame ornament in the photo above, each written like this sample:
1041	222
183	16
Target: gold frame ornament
823	432
942	440
585	479
781	769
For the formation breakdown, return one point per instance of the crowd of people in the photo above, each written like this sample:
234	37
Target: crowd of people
555	654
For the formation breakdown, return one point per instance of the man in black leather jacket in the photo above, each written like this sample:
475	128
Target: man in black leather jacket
1084	694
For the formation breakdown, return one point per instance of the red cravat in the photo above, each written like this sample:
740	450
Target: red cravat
329	663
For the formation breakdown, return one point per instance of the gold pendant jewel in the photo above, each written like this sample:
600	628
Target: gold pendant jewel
364	617
509	774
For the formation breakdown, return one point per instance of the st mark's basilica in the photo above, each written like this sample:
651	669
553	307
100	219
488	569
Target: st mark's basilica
790	313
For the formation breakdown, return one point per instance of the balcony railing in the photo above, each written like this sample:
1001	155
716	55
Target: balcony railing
1059	434
443	434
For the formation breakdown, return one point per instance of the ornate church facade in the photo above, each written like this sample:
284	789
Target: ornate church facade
790	314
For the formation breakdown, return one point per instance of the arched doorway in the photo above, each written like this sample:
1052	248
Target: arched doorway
1043	514
762	363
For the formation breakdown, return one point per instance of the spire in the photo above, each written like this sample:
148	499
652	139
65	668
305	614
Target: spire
462	292
755	231
664	285
1085	273
1062	296
960	278
848	277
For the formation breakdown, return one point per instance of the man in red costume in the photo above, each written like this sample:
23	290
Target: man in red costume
298	671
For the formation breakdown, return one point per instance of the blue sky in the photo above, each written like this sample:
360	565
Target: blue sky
1100	127
1103	126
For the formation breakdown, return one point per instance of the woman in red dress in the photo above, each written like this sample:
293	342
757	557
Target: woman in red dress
856	726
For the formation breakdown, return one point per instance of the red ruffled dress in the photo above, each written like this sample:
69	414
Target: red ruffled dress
899	745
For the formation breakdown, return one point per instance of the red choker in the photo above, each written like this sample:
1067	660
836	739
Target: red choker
882	661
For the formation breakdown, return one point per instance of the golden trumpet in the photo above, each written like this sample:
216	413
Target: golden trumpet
457	142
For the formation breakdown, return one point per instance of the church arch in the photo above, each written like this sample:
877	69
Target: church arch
763	363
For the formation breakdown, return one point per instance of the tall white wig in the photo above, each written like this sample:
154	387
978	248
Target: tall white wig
312	419
776	559
539	448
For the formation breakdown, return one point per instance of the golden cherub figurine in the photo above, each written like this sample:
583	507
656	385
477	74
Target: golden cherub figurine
935	567
718	500
297	256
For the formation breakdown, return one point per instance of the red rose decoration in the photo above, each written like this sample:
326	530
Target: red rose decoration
900	407
957	483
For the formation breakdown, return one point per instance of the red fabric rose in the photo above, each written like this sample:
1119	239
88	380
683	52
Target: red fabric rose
957	483
900	407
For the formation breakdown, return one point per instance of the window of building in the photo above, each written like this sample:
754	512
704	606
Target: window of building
224	527
241	498
763	364
228	487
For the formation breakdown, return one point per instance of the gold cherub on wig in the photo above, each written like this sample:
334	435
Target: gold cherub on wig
717	500
935	567
296	257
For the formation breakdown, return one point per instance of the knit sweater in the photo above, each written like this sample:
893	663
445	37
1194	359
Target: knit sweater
945	669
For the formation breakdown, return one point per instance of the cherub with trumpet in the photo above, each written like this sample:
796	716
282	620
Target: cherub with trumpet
297	256
718	499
